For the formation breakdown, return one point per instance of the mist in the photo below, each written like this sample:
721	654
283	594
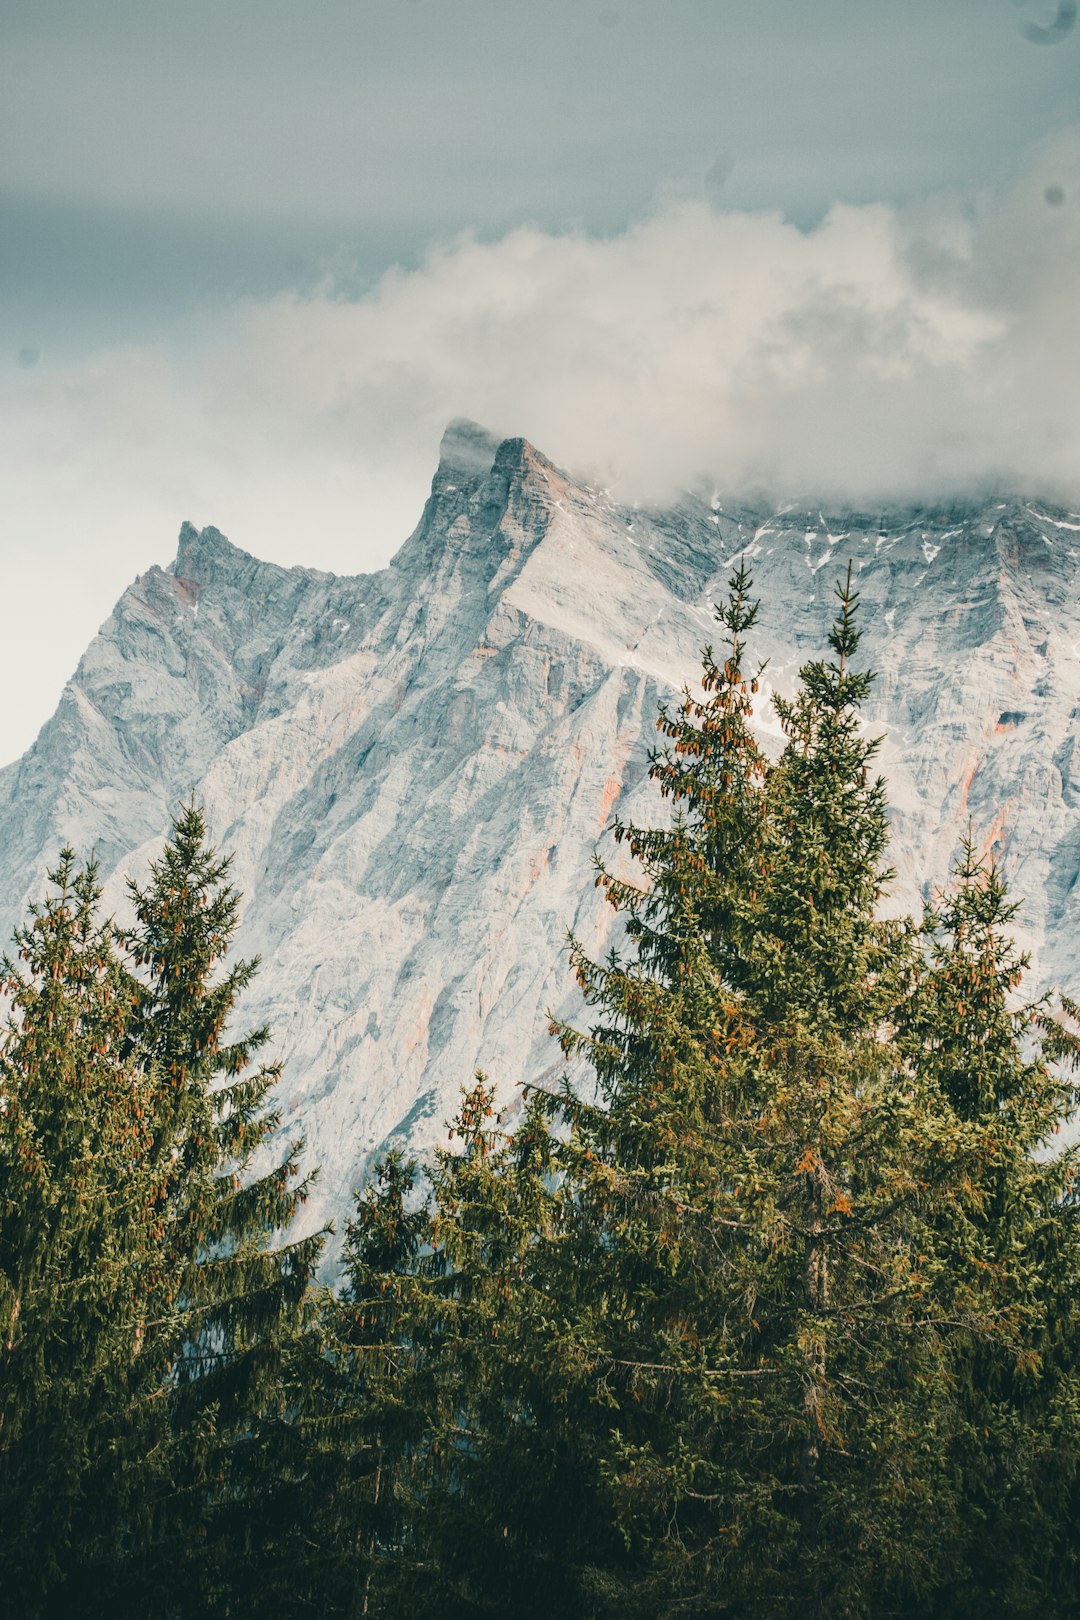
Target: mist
886	353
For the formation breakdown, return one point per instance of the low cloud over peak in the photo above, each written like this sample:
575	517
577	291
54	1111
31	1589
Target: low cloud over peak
883	353
886	353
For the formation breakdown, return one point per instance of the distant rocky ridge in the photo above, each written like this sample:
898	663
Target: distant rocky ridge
413	767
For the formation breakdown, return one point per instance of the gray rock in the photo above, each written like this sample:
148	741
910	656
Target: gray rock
413	768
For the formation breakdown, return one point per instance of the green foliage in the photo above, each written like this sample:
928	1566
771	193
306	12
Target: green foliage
747	1206
76	1236
148	1302
362	1410
777	1316
235	1290
1006	1238
769	1311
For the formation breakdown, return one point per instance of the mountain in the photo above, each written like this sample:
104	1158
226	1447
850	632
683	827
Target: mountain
414	767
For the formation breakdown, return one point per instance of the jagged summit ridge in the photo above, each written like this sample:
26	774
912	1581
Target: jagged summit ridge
467	449
412	767
202	554
203	551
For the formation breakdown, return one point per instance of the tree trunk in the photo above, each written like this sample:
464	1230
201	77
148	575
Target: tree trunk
815	1300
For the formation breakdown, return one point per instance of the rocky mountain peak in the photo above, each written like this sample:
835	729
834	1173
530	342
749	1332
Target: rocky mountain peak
490	505
524	468
412	769
205	554
473	461
467	450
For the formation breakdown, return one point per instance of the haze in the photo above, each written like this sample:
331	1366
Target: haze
253	257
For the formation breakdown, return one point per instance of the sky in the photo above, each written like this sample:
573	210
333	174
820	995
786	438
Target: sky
254	254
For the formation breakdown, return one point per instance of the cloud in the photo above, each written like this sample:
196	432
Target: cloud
888	353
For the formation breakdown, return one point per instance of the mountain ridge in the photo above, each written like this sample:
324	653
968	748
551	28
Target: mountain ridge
412	767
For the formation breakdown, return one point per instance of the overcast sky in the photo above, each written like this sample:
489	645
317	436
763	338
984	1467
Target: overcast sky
254	254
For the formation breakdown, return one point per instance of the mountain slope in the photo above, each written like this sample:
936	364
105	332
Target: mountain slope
413	767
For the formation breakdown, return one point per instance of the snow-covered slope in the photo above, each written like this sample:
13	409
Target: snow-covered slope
413	768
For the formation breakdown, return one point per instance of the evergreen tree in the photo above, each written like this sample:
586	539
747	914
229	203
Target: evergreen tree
231	1293
742	1320
1008	1250
77	1235
425	1394
749	1273
150	1311
380	1355
497	1490
361	1414
438	1379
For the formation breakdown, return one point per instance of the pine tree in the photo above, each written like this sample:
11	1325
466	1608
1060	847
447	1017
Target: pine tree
231	1293
1008	1249
741	1319
709	1183
151	1315
76	1250
362	1412
854	1162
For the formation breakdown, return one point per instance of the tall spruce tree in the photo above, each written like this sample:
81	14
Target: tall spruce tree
234	1291
76	1248
1007	1247
749	1314
745	1194
149	1307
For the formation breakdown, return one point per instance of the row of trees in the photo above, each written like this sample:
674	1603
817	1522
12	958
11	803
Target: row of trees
144	1304
776	1315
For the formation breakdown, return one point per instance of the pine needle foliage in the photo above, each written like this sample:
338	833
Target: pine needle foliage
430	1333
364	1408
150	1307
234	1291
1007	1238
775	1316
76	1242
777	1319
744	1202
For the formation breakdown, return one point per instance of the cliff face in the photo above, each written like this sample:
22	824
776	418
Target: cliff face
413	768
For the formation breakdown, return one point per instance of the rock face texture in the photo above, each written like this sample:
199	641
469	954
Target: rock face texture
414	767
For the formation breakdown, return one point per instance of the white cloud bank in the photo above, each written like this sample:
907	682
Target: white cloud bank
885	354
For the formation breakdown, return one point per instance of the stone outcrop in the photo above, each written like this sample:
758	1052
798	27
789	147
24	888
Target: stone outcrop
413	768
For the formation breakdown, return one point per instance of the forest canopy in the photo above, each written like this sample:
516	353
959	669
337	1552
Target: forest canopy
774	1315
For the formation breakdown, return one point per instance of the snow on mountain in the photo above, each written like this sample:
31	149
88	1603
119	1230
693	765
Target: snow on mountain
412	768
